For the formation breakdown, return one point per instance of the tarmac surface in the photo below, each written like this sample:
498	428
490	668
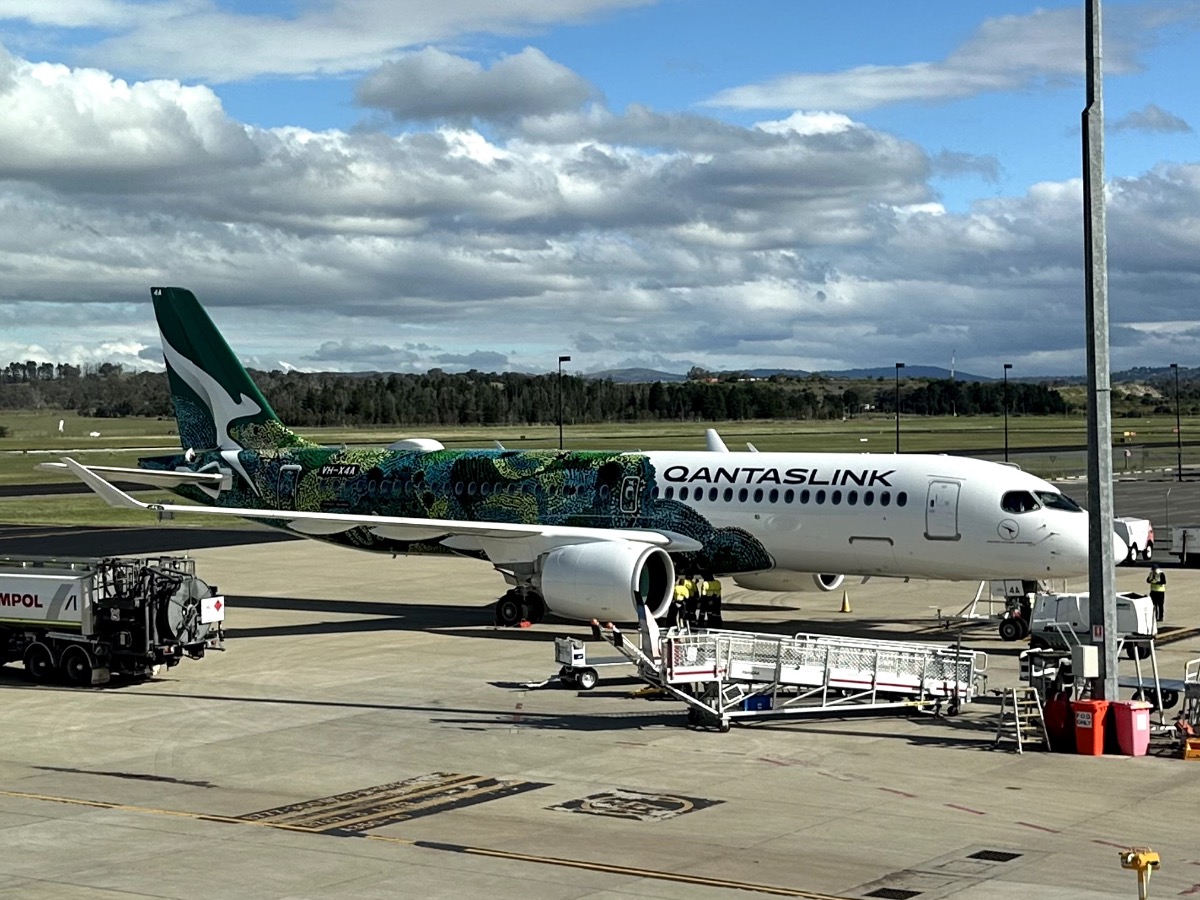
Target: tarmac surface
368	734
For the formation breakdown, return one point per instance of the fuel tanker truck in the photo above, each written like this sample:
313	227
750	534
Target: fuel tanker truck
85	621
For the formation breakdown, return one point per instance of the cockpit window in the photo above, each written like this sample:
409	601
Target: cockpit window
1018	502
1055	500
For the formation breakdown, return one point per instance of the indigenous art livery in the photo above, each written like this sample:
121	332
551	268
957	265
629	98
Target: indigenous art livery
594	534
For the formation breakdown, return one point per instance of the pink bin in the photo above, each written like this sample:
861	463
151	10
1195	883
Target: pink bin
1132	720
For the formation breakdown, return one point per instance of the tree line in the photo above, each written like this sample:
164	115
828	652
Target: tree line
314	399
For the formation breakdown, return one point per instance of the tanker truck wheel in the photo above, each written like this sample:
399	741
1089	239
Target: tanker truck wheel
76	666
39	663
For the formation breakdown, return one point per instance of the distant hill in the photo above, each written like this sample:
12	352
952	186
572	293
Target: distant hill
635	376
1141	373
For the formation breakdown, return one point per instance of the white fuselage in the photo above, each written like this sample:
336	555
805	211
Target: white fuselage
917	516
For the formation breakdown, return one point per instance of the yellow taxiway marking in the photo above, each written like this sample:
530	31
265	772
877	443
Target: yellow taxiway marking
611	868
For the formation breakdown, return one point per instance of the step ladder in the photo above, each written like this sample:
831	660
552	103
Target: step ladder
1021	718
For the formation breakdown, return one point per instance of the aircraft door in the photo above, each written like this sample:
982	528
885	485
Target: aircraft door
941	511
289	478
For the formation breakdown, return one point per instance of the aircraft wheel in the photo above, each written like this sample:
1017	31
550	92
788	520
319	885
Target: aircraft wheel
587	678
39	663
76	666
1010	629
510	611
723	725
535	608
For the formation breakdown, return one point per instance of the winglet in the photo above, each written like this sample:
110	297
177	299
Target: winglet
111	495
713	442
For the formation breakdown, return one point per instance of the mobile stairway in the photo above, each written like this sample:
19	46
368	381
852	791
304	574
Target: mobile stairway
724	676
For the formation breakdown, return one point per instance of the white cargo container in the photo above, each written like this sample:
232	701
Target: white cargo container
1060	621
1185	543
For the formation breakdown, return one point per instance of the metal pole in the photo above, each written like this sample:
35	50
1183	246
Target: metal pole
899	366
1178	431
1101	577
561	360
1007	366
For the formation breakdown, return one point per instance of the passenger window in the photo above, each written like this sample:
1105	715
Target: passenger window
820	496
758	495
868	498
885	497
836	498
712	495
742	495
670	492
804	495
774	495
728	496
458	488
471	489
902	498
852	497
683	493
654	493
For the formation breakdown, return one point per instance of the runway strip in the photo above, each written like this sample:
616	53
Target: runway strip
588	865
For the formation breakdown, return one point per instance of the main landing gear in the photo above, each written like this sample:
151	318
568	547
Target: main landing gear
520	605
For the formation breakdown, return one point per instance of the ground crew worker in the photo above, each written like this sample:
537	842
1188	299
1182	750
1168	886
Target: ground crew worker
677	615
710	604
1157	579
695	586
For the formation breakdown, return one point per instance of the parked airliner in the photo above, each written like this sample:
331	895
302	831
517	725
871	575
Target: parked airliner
594	534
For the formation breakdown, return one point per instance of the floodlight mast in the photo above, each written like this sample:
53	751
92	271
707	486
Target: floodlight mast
1101	578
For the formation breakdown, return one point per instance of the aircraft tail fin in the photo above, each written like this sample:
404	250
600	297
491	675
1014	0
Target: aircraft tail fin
217	405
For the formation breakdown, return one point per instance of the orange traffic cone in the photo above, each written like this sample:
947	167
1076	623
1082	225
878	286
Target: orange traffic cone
845	602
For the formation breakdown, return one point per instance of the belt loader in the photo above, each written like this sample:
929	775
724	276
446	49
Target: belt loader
85	620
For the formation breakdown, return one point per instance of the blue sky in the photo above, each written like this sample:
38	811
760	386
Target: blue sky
361	184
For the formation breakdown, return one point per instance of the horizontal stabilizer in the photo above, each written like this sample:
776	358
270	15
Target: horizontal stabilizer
154	477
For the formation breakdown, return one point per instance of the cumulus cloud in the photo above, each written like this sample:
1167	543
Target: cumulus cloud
1007	53
662	237
186	39
431	85
1154	119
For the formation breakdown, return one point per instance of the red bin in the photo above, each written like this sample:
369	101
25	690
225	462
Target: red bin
1131	718
1089	726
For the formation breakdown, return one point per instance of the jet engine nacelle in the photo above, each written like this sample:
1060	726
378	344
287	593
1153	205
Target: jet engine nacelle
607	580
780	580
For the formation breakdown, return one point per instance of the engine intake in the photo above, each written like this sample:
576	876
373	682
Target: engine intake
782	580
607	580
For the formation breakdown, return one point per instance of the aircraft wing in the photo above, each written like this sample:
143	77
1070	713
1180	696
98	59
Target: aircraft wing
401	528
155	477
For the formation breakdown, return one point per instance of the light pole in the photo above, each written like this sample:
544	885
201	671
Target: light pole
1007	366
1178	432
899	366
561	360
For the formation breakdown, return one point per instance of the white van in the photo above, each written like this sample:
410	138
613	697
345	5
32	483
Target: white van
1138	535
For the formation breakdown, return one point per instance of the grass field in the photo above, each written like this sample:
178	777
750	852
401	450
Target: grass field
35	437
